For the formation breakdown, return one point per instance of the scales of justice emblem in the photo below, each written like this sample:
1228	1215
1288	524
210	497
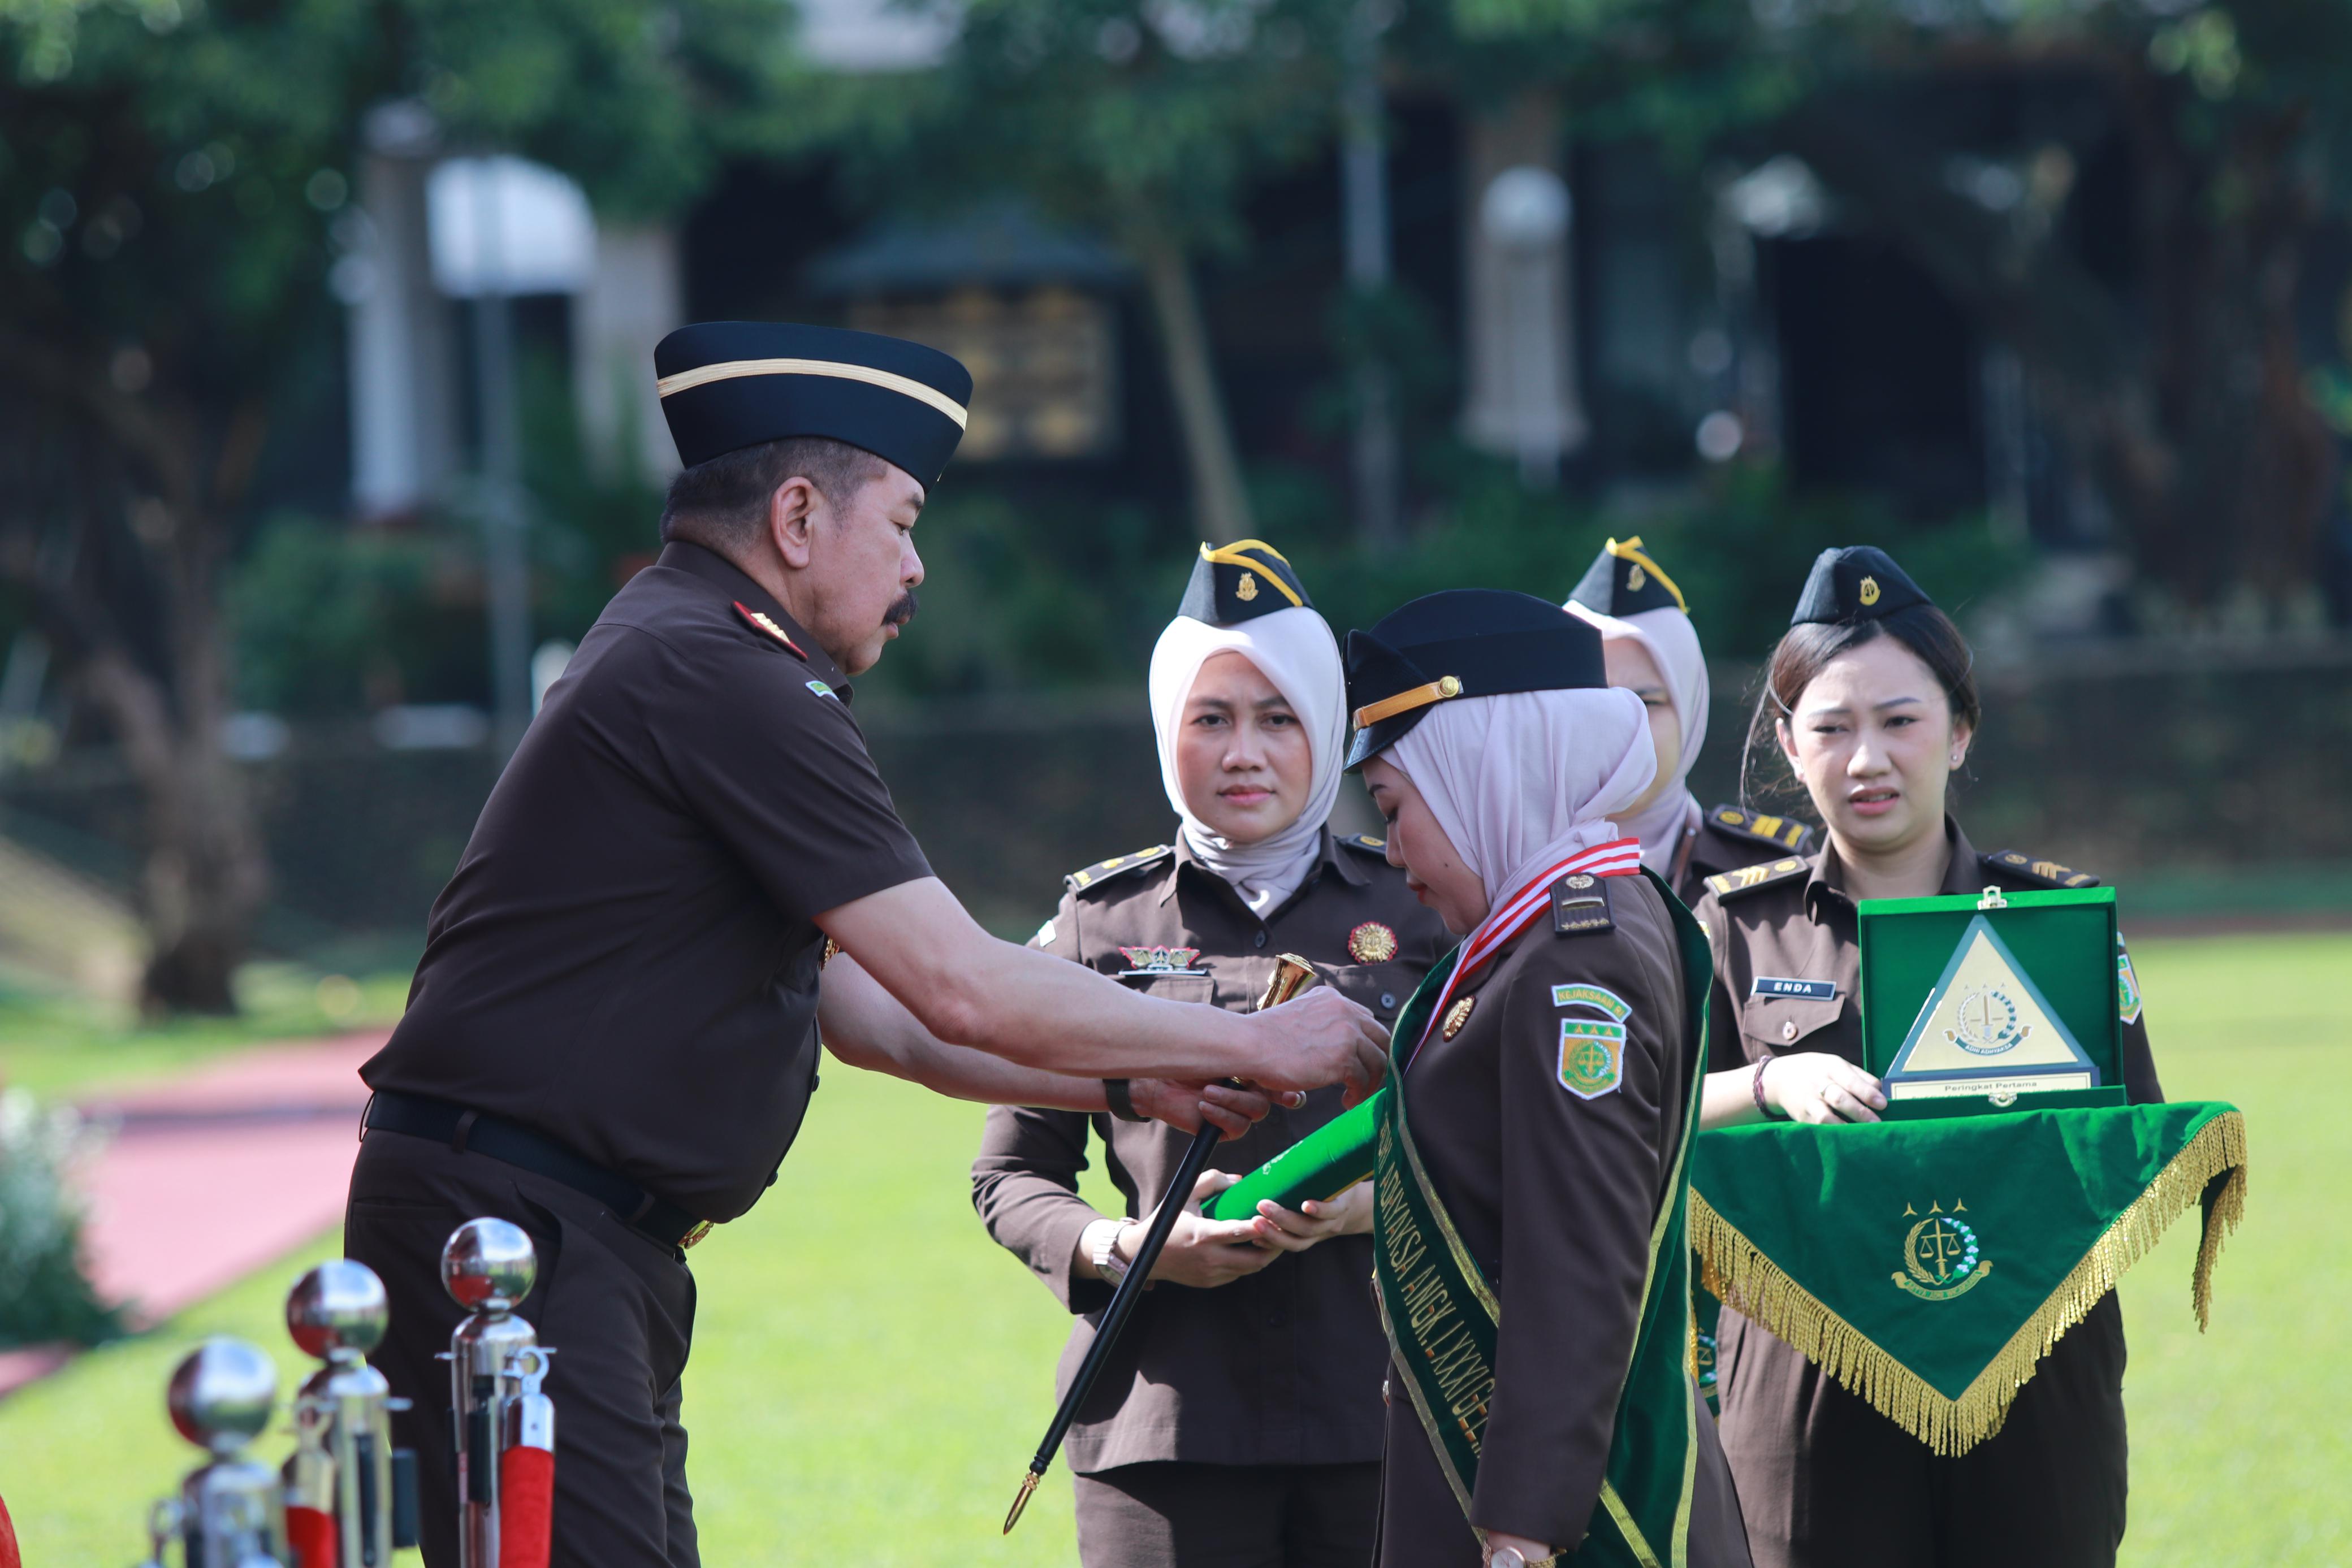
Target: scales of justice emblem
1987	1021
1941	1256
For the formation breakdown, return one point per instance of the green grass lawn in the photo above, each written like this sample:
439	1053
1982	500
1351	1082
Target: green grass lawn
870	1373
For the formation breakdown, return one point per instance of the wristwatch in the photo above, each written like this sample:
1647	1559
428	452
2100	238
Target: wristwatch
1106	1255
1122	1102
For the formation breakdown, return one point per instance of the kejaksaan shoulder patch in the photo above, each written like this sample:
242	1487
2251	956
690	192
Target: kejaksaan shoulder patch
1592	1057
2127	986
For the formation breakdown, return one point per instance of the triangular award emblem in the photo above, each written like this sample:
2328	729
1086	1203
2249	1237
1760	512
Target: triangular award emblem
1986	1029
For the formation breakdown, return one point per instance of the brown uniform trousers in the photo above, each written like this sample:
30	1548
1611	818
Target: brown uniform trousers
1237	1427
1825	1481
1555	1198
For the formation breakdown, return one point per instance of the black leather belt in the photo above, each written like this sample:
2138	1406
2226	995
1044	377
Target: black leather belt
479	1133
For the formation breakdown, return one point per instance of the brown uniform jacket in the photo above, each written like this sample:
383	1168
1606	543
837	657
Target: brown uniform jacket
1824	1479
1282	1366
626	957
1555	1197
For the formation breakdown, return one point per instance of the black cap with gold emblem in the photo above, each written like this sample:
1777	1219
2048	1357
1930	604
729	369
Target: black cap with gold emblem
1624	581
1860	582
1241	581
726	385
1462	643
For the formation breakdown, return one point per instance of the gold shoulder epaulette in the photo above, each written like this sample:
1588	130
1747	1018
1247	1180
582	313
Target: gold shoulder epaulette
2025	868
1784	833
1117	865
1748	878
1366	843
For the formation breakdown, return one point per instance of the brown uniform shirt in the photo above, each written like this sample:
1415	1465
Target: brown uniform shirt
1555	1197
1825	1481
1729	838
626	958
1282	1366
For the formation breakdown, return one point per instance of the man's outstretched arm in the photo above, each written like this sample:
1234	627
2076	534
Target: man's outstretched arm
968	988
865	1026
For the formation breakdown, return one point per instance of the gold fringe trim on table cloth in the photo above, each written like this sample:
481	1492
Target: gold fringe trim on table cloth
1752	1284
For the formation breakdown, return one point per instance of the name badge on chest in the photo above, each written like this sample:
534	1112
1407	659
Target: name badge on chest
1811	990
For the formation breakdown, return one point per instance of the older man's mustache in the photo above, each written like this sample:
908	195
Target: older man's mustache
902	611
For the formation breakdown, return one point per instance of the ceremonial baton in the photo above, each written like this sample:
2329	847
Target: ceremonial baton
1290	973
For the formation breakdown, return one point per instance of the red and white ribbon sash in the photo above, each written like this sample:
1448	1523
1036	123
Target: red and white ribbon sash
1512	916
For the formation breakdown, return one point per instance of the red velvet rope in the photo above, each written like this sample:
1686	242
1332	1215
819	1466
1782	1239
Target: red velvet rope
310	1535
9	1556
526	1506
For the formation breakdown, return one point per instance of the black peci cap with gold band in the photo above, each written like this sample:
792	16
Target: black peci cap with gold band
726	385
1860	582
1241	581
1462	643
1624	581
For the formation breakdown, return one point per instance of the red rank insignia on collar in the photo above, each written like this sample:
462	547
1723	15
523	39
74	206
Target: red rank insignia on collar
768	625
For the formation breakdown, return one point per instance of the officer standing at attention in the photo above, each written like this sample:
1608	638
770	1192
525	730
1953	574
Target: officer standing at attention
1652	651
612	1038
1870	699
1240	1421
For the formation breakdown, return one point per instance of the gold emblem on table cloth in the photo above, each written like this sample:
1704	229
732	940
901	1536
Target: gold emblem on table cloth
1371	943
1940	1253
1158	961
1592	1057
1455	1017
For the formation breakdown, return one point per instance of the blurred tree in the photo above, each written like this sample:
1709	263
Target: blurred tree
2159	335
171	173
1146	122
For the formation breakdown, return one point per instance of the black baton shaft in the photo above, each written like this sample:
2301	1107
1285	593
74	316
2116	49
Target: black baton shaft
1290	973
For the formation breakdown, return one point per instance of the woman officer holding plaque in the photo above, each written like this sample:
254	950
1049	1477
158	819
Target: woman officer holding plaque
1532	1264
1869	697
1238	1423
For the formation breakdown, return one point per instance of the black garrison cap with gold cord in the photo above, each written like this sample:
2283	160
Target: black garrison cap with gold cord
726	385
1462	642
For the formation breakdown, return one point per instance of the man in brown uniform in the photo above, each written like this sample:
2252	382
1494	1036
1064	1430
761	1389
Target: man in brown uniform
1238	1424
612	1038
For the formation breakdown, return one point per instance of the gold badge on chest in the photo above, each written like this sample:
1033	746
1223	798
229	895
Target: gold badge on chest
1456	1016
1371	943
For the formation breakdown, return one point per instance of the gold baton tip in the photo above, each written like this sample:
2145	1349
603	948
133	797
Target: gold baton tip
1020	1501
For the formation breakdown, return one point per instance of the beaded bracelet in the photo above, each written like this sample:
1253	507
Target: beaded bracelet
1756	1086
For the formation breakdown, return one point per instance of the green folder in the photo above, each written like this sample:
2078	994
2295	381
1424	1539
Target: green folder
1322	1164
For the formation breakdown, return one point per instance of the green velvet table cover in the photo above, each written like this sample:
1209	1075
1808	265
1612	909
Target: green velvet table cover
1929	1267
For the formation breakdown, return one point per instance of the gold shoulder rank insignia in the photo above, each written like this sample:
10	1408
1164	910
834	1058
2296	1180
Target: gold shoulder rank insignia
1785	834
766	624
1366	843
1579	906
2046	874
1117	865
1746	878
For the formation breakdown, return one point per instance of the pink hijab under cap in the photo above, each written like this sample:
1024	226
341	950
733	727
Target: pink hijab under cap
1521	781
1671	642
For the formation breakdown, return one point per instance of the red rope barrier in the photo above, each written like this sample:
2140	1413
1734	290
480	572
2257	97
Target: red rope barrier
310	1535
526	1506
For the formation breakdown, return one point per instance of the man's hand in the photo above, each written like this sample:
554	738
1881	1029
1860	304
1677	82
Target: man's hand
1294	1231
1184	1106
1320	1037
1203	1253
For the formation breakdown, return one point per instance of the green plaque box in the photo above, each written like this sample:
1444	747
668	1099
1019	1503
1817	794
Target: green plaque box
1979	1004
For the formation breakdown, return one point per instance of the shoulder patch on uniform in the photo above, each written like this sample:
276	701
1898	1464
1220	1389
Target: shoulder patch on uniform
1579	906
1045	937
1117	865
1368	844
2025	868
767	625
1747	879
1592	1057
1783	833
1600	998
2128	1000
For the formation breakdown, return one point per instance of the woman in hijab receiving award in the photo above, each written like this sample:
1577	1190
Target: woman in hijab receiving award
1532	1264
1651	650
1239	1421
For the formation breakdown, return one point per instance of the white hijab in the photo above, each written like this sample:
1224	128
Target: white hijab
1671	642
1519	782
1294	650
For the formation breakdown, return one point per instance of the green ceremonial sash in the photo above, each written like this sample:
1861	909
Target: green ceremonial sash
1929	1266
1441	1316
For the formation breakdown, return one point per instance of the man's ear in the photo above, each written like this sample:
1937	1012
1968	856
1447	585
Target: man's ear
794	508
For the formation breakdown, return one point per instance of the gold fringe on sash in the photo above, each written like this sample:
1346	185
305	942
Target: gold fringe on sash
1752	1284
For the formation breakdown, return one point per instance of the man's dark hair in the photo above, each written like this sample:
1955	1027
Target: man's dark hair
722	505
